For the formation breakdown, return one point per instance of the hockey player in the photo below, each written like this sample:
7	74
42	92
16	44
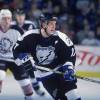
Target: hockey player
54	50
20	20
8	37
24	26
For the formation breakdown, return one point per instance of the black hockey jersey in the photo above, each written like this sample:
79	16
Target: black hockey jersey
28	25
49	52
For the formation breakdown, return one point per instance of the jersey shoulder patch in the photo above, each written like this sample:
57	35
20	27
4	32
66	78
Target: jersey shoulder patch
64	38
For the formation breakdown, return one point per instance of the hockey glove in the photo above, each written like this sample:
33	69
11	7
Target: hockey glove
69	74
25	62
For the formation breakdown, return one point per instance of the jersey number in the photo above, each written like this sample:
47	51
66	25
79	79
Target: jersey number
73	52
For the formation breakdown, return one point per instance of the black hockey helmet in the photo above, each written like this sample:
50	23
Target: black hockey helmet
47	18
20	11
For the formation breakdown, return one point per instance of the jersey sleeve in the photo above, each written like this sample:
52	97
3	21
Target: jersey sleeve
67	54
21	46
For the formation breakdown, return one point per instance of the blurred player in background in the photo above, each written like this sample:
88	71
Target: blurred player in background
20	20
26	25
8	37
53	50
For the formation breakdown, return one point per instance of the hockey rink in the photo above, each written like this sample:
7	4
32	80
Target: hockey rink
12	91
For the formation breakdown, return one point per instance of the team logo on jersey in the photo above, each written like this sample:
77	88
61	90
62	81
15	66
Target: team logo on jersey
45	55
5	45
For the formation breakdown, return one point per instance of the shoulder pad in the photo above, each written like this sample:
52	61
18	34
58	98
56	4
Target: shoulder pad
64	38
34	31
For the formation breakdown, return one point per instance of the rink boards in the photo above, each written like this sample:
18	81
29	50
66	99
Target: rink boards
90	61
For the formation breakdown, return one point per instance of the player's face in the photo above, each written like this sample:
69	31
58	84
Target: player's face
51	26
6	22
20	18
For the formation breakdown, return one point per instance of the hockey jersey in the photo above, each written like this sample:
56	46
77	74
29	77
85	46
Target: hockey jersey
27	25
50	52
7	41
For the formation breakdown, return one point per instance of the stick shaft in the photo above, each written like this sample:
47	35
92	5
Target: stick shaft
58	72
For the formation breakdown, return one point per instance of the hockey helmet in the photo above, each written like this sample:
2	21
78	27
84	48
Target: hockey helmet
20	11
44	18
5	13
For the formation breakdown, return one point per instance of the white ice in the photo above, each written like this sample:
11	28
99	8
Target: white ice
12	91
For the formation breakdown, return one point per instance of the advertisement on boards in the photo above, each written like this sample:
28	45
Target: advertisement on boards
90	60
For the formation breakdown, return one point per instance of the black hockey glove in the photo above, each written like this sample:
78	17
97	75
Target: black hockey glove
23	60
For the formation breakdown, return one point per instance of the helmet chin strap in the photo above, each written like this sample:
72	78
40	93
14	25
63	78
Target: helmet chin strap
46	32
45	29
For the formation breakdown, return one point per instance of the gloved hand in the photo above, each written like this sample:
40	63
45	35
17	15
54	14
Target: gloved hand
24	57
25	62
69	74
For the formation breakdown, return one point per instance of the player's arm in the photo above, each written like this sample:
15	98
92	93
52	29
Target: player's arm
19	51
67	49
21	46
69	66
69	57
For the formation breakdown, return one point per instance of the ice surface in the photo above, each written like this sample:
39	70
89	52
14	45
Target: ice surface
12	91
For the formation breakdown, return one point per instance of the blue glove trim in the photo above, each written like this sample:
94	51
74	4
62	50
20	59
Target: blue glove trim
68	72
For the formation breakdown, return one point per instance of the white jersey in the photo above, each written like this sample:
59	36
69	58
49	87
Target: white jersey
7	41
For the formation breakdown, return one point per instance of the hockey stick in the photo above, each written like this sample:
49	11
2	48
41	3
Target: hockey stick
61	73
58	72
88	79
